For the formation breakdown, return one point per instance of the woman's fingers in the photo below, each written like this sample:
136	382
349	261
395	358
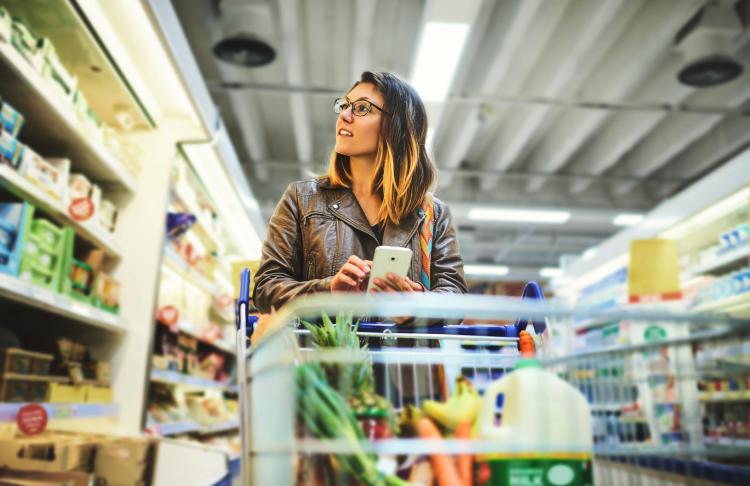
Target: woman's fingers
360	264
353	271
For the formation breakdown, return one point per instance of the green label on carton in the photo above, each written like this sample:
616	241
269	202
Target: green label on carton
516	471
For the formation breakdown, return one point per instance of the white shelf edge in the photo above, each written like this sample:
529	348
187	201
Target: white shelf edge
189	426
56	303
25	189
62	411
42	89
727	304
731	256
177	378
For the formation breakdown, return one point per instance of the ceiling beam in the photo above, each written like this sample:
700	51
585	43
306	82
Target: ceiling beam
638	50
512	23
725	140
623	131
585	34
295	73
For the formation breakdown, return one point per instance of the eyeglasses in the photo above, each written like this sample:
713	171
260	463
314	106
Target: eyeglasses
360	107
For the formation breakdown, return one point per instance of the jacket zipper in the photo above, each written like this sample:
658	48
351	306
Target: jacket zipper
355	224
310	265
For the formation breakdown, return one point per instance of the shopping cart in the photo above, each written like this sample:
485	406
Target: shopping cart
655	412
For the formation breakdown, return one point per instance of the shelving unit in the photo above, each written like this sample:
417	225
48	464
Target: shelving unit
57	304
32	95
738	305
731	257
90	231
176	264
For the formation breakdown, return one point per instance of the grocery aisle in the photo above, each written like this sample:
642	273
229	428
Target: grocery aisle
591	193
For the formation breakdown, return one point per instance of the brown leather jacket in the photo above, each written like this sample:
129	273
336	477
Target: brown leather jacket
317	226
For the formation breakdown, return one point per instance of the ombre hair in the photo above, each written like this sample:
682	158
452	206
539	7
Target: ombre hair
404	172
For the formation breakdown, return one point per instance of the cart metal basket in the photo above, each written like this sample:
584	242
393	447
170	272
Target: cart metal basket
669	396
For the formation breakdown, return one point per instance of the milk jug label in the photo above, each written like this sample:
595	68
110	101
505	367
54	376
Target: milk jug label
533	472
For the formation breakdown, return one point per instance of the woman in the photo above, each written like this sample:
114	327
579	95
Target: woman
324	232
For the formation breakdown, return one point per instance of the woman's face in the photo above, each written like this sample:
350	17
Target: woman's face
357	136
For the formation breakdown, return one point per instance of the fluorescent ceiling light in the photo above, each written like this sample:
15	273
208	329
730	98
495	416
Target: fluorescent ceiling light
519	215
439	52
550	272
627	219
494	270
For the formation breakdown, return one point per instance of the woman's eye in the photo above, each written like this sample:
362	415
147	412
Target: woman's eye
361	108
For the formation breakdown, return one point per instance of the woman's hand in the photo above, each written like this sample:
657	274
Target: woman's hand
352	276
394	283
265	321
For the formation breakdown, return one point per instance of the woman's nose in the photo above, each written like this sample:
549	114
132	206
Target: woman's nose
347	115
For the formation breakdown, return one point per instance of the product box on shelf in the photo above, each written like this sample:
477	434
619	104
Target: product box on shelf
98	394
37	478
25	42
23	388
99	371
53	70
12	120
6	25
125	461
50	175
14	222
106	293
49	452
108	215
22	362
44	253
11	150
64	393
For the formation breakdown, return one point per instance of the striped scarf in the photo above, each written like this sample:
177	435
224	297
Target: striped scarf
427	211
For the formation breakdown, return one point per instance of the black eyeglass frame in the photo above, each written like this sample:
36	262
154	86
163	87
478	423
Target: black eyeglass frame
369	104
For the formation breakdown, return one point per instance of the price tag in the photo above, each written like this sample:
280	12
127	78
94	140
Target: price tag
32	419
81	209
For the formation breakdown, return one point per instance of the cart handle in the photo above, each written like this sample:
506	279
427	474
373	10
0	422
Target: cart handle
532	291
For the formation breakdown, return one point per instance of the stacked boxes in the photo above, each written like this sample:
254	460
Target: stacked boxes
14	219
45	253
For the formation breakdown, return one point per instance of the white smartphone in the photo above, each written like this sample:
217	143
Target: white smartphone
389	259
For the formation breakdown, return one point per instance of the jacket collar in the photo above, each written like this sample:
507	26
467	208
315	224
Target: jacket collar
345	207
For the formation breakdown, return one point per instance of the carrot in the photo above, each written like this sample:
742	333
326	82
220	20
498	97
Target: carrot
443	466
526	344
464	461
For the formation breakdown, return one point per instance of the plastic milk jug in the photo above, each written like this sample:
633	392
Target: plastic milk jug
544	435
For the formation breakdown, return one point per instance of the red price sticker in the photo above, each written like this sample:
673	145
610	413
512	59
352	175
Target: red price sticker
81	209
32	419
168	315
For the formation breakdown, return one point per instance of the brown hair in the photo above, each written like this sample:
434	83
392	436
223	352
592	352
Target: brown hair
404	172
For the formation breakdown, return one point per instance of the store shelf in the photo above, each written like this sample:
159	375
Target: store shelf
737	305
62	411
605	407
51	127
725	396
188	330
594	323
176	264
190	427
94	233
728	442
56	303
176	378
726	259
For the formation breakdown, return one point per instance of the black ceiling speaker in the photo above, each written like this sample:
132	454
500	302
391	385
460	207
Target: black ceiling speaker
707	44
244	50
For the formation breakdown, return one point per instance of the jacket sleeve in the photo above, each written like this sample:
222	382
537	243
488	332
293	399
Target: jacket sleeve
280	276
446	264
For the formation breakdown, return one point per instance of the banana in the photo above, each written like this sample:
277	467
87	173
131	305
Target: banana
462	406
